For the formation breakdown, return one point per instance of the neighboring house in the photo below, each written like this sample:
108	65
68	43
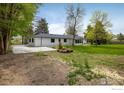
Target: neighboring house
53	40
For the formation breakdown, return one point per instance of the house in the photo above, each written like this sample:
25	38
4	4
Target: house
53	40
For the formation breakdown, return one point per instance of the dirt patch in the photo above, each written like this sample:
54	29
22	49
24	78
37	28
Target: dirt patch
27	69
120	59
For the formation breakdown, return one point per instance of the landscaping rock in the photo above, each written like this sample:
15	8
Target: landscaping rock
65	50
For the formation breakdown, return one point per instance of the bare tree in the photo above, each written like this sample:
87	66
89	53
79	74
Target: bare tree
74	20
101	17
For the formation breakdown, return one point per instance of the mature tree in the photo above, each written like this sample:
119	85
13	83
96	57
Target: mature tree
74	20
70	31
99	16
27	34
42	26
98	32
120	37
14	19
89	34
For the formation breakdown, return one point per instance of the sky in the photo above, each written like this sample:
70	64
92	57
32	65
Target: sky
55	15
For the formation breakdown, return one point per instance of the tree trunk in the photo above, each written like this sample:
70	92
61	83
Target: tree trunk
1	45
22	40
4	42
73	40
74	32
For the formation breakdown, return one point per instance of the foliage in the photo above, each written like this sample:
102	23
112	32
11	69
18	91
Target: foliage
89	35
73	20
120	37
15	19
98	32
18	16
100	16
42	26
72	78
82	70
70	31
16	41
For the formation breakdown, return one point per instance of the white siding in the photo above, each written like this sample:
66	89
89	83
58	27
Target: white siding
37	41
47	42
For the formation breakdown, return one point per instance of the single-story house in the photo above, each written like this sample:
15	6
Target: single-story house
53	40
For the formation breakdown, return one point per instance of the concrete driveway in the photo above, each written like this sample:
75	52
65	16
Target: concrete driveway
17	49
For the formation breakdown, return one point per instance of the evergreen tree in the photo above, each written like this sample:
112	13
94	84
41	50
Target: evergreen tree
42	27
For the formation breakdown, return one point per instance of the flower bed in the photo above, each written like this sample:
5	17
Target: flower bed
65	50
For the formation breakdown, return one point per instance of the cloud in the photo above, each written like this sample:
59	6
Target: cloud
57	28
117	25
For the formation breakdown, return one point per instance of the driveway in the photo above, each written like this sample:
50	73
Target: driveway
17	49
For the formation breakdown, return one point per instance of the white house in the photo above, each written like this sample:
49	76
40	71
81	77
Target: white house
53	40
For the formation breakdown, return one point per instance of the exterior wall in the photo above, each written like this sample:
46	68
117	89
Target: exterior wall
37	42
47	42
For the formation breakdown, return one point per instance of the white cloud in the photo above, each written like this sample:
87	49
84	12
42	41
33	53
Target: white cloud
60	29
57	28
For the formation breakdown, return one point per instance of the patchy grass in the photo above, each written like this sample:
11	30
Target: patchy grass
40	54
82	70
110	56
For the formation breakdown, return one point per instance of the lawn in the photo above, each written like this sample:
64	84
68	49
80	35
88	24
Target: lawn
101	49
109	55
86	65
104	57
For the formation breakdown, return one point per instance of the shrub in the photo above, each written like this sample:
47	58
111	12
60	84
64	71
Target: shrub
72	81
82	70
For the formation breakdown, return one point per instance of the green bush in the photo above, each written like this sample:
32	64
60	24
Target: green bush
82	70
72	81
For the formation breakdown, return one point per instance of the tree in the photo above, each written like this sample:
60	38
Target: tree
70	30
27	34
42	26
98	31
120	37
73	20
89	34
99	16
14	19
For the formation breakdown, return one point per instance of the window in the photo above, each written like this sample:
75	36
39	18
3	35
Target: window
29	40
59	40
78	41
52	40
32	40
65	40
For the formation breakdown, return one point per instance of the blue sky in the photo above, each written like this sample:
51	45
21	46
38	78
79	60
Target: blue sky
55	15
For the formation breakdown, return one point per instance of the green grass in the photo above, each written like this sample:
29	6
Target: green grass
103	55
107	55
101	49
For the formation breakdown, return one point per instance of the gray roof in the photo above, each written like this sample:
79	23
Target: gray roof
56	36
